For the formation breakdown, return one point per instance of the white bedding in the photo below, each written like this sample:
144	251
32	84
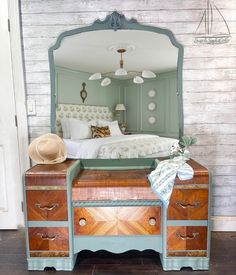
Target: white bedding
116	147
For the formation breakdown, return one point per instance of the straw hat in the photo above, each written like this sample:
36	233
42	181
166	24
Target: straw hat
47	149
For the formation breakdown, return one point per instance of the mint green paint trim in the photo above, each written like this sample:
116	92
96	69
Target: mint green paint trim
118	164
25	217
209	215
116	22
60	263
164	229
187	223
118	244
47	223
117	203
176	263
71	173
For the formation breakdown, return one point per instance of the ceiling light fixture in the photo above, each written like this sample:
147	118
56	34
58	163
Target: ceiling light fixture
121	72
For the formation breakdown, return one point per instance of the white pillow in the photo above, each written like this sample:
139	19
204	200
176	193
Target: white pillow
115	129
103	122
80	129
113	126
65	124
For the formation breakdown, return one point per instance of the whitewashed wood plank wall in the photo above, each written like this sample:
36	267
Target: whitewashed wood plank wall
209	76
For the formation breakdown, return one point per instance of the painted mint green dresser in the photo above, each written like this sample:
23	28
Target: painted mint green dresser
94	204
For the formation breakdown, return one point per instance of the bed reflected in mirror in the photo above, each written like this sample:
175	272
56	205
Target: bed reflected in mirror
131	109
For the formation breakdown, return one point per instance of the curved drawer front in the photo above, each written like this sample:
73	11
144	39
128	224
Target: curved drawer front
186	238
187	204
46	205
48	238
117	220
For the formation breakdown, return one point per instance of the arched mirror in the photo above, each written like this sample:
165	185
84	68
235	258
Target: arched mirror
117	90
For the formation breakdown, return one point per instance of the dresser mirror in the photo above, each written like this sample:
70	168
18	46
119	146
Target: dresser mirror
132	73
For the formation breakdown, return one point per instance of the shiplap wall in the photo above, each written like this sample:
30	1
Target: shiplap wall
209	76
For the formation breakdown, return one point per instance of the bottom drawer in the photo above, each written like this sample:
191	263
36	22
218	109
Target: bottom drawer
48	238
104	221
186	238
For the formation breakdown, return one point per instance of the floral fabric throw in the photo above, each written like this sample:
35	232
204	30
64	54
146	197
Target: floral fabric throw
163	177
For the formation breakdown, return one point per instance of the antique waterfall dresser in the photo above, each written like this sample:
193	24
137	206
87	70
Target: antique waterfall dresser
109	205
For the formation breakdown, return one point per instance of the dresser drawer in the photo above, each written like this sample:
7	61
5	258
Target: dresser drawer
46	205
117	220
48	238
188	204
186	238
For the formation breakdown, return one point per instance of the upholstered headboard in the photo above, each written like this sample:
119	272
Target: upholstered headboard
82	112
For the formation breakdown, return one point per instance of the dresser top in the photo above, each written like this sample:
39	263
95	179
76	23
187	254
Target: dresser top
132	177
50	169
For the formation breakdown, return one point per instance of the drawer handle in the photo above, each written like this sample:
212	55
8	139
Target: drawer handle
152	221
82	222
46	208
187	237
188	205
46	237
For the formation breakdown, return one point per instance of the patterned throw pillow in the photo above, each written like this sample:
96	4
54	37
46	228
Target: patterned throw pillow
100	132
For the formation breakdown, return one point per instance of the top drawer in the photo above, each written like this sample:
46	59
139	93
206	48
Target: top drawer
188	204
46	205
48	174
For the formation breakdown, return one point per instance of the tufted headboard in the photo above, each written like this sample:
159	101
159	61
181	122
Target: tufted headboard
82	112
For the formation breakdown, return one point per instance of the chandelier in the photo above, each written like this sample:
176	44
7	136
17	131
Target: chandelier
122	72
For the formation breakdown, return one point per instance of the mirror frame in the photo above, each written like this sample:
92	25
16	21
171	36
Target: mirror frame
116	21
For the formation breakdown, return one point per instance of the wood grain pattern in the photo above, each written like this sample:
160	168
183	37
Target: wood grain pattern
125	184
188	205
53	174
187	254
46	205
49	254
117	221
186	237
48	238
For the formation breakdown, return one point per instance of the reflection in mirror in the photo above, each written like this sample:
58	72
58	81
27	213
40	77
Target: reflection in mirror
136	69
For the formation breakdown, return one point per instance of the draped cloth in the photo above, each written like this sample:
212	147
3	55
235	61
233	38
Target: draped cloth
163	177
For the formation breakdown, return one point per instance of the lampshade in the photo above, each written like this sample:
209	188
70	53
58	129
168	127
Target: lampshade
120	107
148	74
105	82
138	80
95	76
121	72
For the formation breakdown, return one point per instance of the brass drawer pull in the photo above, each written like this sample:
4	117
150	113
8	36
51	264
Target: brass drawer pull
82	222
46	237
152	221
188	205
187	237
46	208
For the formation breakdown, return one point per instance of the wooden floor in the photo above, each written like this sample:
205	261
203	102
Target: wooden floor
13	259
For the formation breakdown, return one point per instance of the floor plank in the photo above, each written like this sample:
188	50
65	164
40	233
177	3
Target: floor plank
13	259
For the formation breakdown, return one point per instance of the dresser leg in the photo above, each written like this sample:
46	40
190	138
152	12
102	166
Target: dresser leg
176	263
66	264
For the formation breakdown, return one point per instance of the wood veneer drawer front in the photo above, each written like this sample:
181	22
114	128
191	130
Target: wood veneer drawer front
48	238
142	220
46	205
186	238
187	204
